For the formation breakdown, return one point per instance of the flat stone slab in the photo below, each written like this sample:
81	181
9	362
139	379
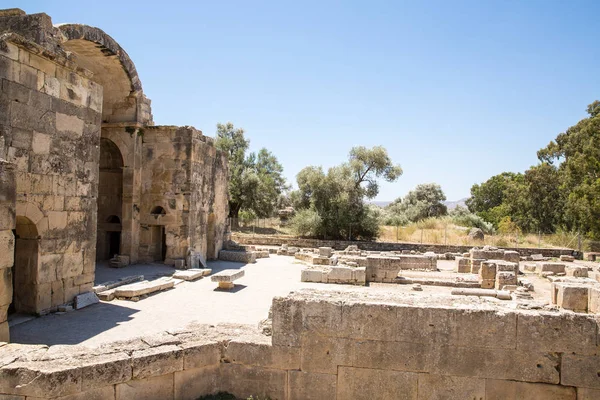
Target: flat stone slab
192	274
120	282
145	287
227	275
85	299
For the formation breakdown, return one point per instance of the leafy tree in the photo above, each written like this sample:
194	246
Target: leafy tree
338	196
424	201
255	180
576	152
487	198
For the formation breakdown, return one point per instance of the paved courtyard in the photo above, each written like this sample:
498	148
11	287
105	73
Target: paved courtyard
188	302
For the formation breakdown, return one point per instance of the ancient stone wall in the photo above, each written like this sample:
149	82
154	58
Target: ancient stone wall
333	345
185	177
50	122
263	240
8	191
209	198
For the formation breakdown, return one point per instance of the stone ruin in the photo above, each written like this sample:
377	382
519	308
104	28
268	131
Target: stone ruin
85	173
332	345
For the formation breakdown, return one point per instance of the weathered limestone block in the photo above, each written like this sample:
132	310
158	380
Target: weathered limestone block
433	386
340	275
463	265
190	384
7	243
426	324
244	381
587	394
189	274
580	371
571	296
237	256
555	333
476	265
226	277
325	252
567	258
262	354
154	388
156	361
360	384
102	370
512	256
577	271
496	389
40	378
505	278
313	275
386	269
495	254
359	274
488	270
200	353
530	267
311	386
594	300
324	355
145	287
85	299
8	189
555	268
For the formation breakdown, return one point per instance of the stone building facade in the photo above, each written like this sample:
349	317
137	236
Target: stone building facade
89	174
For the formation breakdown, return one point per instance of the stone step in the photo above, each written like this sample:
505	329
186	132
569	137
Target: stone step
145	287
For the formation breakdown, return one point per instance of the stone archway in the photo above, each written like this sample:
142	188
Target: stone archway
110	200
25	268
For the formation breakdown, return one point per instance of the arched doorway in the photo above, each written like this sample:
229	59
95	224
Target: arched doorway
24	270
110	200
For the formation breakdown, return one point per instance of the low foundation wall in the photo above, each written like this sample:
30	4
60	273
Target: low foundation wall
385	246
332	345
386	269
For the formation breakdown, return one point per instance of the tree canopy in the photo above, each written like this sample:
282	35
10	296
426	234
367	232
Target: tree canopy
333	205
255	180
561	192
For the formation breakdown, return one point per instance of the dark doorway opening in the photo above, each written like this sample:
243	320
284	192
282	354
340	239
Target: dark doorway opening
114	243
163	249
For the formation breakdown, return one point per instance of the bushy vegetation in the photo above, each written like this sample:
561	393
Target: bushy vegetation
560	194
425	201
463	217
255	179
332	204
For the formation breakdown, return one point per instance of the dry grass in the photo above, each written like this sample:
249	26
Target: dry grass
450	234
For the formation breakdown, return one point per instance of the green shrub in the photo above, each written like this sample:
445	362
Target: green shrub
306	223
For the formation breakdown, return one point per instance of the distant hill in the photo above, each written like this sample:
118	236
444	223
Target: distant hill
450	204
453	204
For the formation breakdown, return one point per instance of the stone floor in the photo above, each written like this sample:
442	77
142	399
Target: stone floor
197	301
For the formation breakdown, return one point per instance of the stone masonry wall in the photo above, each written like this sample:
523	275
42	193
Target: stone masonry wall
50	123
185	175
329	345
209	199
383	246
8	191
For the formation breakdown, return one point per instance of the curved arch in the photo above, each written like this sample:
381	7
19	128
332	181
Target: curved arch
158	210
110	155
108	47
123	99
113	219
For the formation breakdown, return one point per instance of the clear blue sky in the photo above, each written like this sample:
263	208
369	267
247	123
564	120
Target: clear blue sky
457	91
